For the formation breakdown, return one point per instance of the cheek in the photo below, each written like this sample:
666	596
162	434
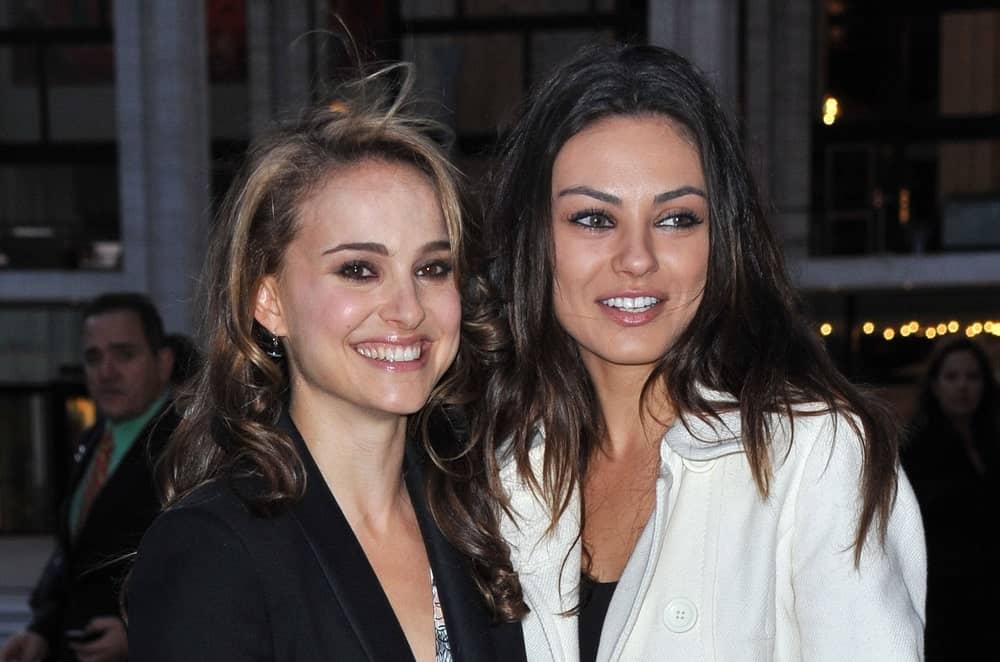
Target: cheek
447	307
575	265
336	312
694	264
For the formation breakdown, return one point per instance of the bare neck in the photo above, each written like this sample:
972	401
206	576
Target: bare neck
629	423
360	455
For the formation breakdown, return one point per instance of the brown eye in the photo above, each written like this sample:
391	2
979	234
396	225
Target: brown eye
357	270
436	269
594	219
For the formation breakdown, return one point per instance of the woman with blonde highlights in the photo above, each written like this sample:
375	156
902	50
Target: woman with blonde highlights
681	472
296	525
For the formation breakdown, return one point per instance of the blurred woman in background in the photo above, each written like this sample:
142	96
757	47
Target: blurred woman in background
951	458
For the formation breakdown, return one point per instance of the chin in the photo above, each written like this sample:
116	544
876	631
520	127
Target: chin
400	407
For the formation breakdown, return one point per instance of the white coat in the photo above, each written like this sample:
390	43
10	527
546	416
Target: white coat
719	574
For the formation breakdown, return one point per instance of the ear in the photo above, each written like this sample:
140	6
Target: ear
165	363
267	308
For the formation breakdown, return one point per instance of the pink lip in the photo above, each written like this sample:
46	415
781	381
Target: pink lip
627	319
395	366
624	318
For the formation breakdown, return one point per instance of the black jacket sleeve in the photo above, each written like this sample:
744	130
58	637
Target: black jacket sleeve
195	594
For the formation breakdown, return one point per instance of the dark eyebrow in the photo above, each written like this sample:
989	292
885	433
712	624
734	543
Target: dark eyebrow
592	193
380	249
679	193
366	246
615	200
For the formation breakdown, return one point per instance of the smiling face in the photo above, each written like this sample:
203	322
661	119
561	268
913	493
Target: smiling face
365	301
631	233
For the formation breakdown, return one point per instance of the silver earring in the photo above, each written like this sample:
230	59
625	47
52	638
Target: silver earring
273	346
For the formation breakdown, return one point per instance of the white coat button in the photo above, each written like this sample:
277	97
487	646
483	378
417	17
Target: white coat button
680	615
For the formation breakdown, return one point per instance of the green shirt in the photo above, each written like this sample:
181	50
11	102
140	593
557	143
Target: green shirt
124	435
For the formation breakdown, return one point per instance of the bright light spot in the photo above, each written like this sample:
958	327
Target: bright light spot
904	330
969	332
977	328
868	328
930	332
889	334
952	326
914	326
826	328
942	329
988	326
831	110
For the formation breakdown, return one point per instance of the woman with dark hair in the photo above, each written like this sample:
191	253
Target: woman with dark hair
951	457
296	525
681	472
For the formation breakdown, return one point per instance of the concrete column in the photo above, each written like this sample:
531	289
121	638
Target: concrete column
705	32
162	106
790	113
281	41
776	71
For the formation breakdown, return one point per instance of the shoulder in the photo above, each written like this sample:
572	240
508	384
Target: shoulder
506	456
226	498
824	444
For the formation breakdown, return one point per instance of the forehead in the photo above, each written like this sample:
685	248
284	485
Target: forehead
621	148
961	359
372	198
113	327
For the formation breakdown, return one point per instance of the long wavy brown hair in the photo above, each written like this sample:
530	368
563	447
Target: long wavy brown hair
747	337
233	404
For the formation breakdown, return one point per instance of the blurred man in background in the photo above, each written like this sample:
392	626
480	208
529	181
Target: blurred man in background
112	497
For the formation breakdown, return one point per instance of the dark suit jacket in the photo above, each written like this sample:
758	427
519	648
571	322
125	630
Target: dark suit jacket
83	577
213	581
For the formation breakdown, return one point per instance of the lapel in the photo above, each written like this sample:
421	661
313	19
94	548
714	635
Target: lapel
470	631
129	480
81	458
345	566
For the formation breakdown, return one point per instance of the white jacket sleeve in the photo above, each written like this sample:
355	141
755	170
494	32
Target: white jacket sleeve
874	611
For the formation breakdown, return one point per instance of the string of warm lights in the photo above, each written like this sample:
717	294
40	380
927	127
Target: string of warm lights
916	329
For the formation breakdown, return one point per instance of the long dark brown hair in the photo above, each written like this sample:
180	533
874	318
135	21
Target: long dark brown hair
231	411
746	339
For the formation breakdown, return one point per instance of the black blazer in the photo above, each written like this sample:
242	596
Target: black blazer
83	577
213	581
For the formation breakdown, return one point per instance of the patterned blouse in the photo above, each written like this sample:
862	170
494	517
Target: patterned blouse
442	649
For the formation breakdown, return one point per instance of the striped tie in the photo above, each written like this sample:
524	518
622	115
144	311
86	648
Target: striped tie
97	473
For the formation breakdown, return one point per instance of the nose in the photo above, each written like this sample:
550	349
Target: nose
402	306
635	254
107	369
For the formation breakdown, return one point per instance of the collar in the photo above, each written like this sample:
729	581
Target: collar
126	431
706	437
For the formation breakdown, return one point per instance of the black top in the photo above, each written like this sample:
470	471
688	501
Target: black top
594	600
215	581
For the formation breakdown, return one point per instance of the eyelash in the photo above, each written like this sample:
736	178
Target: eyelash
683	218
358	270
442	269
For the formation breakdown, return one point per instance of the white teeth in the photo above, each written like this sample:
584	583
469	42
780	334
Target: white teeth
631	304
391	353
